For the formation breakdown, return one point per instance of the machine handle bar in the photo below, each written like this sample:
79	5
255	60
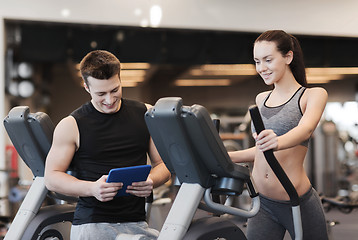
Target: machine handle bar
272	161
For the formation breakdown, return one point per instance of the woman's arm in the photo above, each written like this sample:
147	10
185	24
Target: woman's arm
241	156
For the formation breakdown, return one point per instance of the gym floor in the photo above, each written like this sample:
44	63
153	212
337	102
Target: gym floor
346	227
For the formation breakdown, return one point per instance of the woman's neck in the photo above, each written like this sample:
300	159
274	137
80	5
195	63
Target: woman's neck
287	84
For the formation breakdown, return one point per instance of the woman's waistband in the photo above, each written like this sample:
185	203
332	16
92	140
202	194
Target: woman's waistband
303	197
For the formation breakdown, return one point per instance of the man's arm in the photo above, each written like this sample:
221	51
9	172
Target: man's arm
64	145
158	175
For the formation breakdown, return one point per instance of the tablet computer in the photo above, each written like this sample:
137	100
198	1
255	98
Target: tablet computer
128	175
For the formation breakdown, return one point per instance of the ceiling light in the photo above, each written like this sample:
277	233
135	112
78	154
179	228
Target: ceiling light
133	73
322	78
155	15
228	67
202	82
65	12
332	70
129	84
135	66
224	70
199	72
132	79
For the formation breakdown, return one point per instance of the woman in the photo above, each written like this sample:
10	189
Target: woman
290	113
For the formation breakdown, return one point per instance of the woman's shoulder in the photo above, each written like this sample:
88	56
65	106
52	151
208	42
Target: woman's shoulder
316	92
315	96
261	97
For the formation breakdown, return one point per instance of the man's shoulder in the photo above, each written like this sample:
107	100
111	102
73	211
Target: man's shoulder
67	124
133	103
81	111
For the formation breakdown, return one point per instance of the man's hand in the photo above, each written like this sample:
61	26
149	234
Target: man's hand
141	189
104	191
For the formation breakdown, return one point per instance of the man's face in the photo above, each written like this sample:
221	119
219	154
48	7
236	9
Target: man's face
106	94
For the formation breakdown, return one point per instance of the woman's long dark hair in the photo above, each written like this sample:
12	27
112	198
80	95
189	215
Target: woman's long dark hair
286	42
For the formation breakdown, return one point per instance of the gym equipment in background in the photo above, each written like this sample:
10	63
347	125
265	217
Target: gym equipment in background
31	134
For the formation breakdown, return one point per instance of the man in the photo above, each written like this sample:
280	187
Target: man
107	132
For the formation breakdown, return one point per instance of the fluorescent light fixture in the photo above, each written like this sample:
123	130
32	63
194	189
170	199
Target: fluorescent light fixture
322	78
228	67
135	66
202	82
132	73
325	75
132	79
332	70
129	84
224	70
198	72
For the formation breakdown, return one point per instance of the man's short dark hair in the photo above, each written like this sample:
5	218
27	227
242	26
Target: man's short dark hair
99	64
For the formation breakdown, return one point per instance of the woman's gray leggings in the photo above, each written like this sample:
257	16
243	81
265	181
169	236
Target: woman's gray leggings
275	217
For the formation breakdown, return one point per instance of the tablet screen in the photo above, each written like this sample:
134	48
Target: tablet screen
128	175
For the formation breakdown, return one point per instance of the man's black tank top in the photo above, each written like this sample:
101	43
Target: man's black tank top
110	141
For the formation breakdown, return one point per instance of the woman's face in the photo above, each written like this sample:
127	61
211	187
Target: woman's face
270	63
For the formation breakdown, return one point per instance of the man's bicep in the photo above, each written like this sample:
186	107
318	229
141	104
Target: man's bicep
63	146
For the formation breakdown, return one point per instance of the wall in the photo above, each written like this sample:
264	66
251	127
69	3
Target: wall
319	17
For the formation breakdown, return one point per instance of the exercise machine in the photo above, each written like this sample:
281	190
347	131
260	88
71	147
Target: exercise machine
31	134
191	148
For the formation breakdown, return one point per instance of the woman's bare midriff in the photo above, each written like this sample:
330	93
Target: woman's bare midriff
291	161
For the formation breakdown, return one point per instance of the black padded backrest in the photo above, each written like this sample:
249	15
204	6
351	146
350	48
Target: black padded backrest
166	128
31	135
189	143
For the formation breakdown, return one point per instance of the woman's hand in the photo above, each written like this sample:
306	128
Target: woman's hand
266	140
